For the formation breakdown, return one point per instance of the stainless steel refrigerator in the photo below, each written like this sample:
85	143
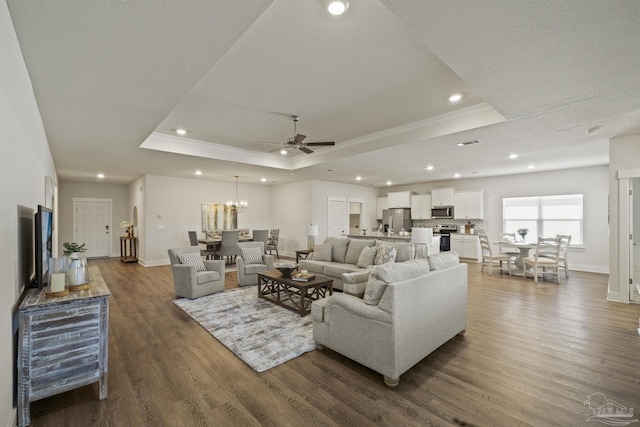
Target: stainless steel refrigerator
397	219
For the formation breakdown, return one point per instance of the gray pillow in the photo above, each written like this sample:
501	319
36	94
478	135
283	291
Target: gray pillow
192	258
382	275
443	260
405	252
355	248
322	252
339	249
367	255
385	253
356	277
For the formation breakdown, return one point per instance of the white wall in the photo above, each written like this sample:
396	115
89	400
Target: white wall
624	153
322	190
175	204
120	211
590	181
25	161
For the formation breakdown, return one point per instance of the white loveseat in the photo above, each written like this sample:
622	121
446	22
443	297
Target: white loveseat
409	309
337	256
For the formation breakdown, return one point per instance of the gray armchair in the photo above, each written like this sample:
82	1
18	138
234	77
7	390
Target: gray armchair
248	272
192	284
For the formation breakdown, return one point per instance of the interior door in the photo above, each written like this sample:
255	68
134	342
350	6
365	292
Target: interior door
92	223
634	248
336	216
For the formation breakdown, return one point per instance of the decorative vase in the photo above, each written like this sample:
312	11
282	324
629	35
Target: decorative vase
77	270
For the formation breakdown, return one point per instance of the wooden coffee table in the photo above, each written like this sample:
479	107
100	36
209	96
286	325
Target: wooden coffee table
291	294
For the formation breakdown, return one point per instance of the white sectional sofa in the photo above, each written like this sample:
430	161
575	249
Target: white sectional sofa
337	256
409	309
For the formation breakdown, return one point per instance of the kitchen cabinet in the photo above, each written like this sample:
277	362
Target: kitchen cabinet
467	246
442	197
399	199
468	205
421	206
381	204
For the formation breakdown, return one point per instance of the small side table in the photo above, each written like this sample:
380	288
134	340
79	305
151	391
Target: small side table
128	249
302	254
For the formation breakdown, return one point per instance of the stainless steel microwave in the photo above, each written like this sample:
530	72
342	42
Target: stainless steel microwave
442	212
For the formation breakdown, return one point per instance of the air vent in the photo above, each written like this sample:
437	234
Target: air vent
463	144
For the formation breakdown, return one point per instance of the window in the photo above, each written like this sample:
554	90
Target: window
544	216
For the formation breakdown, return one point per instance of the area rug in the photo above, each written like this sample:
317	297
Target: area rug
262	334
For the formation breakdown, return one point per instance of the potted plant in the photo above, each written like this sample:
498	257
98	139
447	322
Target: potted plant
77	267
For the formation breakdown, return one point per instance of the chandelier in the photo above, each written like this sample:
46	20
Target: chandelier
239	205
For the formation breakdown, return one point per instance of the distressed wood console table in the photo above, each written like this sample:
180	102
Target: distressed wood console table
62	343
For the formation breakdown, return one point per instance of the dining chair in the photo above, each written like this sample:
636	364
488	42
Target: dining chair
272	242
546	259
207	253
565	241
229	245
506	249
261	236
489	259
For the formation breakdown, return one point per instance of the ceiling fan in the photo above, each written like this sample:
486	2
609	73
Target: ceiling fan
297	140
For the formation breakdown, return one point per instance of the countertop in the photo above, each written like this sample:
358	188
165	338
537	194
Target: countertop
381	237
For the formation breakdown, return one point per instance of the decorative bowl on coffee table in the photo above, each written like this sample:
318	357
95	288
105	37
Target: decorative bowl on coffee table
286	269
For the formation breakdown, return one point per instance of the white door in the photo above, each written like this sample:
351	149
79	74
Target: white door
92	223
337	216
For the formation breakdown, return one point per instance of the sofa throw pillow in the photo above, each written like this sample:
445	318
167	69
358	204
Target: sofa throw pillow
251	255
367	256
384	254
391	272
405	252
339	249
193	259
322	252
443	260
355	249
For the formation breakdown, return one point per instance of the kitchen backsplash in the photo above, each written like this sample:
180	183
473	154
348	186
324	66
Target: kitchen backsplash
478	224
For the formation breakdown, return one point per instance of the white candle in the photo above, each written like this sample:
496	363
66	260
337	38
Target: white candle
57	282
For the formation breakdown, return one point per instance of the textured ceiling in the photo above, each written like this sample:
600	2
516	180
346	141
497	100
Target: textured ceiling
114	75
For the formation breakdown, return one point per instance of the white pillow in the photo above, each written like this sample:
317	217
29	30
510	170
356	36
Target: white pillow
193	259
367	256
251	255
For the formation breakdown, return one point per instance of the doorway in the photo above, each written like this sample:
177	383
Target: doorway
336	216
92	226
634	246
356	211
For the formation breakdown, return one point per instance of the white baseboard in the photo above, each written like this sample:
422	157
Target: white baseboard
589	268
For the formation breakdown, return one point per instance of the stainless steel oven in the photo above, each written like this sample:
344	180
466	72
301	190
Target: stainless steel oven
445	237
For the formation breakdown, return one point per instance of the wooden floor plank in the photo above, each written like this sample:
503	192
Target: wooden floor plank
531	356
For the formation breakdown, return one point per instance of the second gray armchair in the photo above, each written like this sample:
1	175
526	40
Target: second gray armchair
251	261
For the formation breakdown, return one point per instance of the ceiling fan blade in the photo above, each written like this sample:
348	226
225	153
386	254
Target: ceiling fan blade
317	144
305	150
299	138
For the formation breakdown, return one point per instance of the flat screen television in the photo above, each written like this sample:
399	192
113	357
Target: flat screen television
43	244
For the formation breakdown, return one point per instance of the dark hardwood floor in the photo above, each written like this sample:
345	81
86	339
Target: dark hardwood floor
531	356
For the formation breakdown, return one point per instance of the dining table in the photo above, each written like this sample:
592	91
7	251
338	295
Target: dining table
213	243
523	247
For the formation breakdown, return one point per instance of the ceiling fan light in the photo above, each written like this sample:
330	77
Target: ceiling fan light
338	7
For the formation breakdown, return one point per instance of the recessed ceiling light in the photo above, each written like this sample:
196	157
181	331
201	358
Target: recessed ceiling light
181	132
456	175
455	97
388	182
430	167
513	155
283	152
198	172
358	178
464	144
338	7
531	167
263	179
100	175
